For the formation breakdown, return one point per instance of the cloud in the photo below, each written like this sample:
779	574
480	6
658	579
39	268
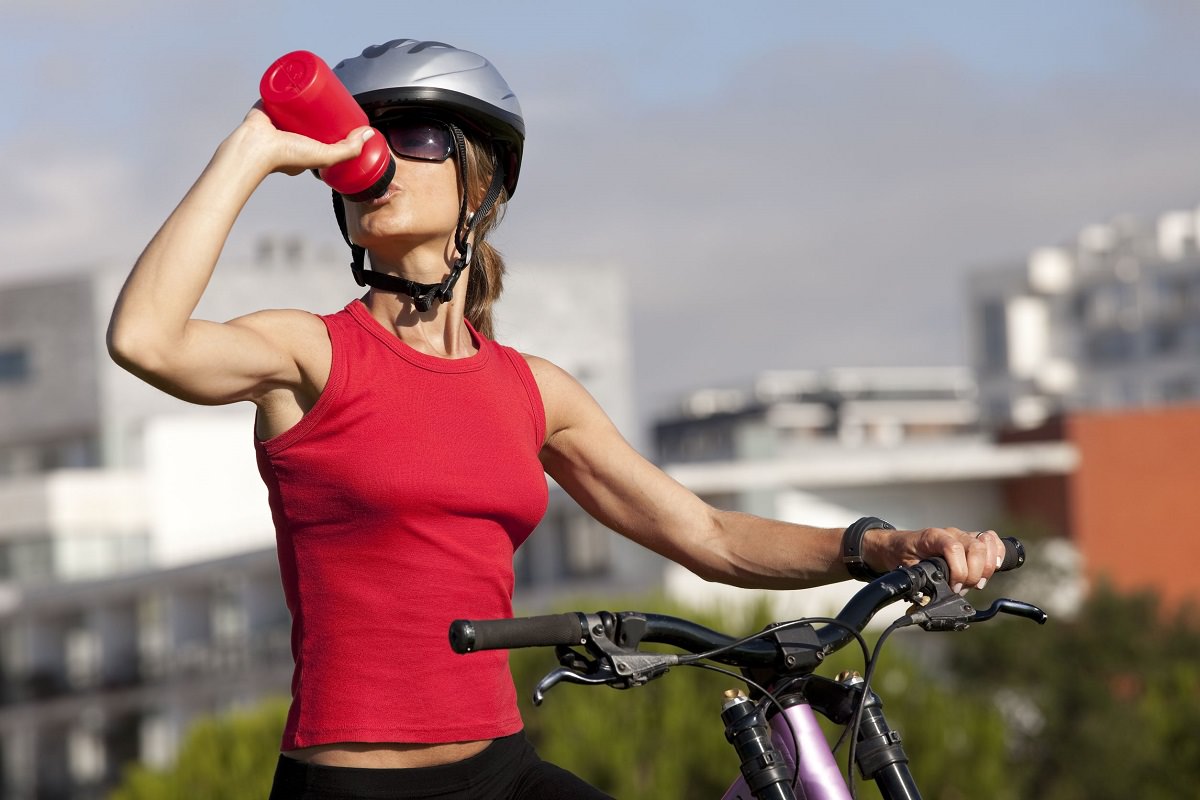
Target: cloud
75	12
66	212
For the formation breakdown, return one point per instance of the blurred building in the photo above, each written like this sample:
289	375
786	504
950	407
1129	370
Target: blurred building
785	411
826	447
1109	320
1113	489
138	582
102	673
101	473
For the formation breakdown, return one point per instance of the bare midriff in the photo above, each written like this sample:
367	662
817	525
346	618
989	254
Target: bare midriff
389	755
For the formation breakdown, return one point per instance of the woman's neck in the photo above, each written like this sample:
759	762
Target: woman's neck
441	331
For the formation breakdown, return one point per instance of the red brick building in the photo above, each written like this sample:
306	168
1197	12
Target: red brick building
1132	506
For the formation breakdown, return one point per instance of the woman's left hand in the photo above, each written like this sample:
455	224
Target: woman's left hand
972	556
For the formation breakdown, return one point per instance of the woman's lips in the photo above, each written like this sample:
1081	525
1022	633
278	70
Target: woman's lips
385	197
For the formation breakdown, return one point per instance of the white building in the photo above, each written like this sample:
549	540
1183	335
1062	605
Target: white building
1109	320
98	674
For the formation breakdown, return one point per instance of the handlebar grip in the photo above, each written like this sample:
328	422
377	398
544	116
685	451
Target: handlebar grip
1014	554
468	636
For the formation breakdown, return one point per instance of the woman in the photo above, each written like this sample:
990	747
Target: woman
404	450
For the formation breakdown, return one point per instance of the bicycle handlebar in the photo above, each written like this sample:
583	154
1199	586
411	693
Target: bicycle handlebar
1014	554
571	628
548	630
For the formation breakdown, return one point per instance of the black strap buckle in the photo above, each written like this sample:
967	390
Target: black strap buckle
852	547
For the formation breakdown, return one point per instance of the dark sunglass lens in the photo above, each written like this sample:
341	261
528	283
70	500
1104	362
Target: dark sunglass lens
425	141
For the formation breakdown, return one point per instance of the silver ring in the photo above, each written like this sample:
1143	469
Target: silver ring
981	533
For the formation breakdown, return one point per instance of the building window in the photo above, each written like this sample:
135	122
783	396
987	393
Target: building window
1191	301
26	560
585	548
85	755
1168	296
228	610
14	364
77	453
1165	338
1181	388
995	337
1110	346
1190	337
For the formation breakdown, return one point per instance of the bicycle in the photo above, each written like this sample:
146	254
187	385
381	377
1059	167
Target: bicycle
774	730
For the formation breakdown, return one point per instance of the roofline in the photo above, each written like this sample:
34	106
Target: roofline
976	461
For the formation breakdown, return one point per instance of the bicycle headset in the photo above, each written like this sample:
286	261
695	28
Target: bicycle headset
464	90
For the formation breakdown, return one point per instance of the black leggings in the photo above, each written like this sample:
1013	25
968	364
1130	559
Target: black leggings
508	769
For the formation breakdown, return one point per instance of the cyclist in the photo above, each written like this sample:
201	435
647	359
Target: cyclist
404	451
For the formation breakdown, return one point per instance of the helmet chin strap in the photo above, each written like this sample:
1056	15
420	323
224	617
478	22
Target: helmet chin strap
424	295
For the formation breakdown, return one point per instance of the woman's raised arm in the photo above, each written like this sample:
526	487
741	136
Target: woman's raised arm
152	333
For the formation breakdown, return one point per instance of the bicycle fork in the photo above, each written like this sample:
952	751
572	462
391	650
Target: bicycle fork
766	771
769	765
794	736
880	755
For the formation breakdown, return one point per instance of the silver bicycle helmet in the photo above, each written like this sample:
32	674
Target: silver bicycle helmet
405	73
466	90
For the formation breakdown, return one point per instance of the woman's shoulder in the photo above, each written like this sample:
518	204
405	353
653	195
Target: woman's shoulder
284	325
301	336
565	399
544	371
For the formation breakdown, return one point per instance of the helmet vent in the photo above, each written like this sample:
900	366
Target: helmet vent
376	50
422	46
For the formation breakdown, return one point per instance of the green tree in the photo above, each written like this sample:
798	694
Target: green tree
1104	707
227	757
954	738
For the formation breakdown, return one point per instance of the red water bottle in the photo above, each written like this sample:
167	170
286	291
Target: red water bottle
301	94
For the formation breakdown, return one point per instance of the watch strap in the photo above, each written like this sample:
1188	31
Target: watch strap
852	546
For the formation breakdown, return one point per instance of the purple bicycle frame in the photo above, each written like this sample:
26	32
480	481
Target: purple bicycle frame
820	777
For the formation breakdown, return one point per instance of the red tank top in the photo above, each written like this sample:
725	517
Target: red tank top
398	502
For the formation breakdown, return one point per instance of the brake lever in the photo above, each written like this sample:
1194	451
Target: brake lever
559	674
634	670
621	666
940	608
1017	608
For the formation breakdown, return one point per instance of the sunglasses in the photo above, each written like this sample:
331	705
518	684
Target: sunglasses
418	138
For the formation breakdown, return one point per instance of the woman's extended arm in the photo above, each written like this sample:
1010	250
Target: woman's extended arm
589	458
152	333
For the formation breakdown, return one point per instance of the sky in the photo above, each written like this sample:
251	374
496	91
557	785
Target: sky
786	185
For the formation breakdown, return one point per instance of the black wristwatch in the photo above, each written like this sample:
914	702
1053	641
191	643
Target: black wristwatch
852	546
